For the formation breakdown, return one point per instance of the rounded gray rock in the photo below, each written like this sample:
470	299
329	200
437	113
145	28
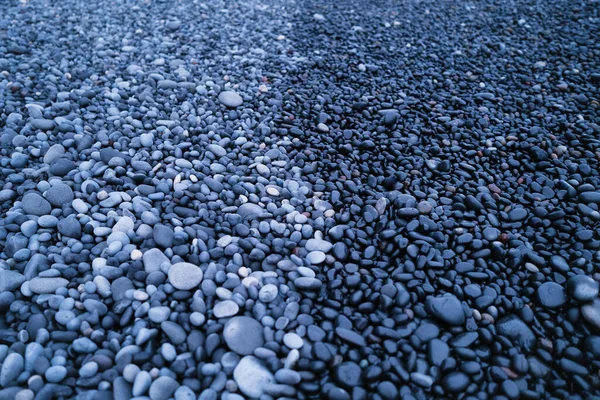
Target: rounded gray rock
33	203
185	276
230	99
243	335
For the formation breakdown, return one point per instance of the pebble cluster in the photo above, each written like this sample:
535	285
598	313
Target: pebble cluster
299	199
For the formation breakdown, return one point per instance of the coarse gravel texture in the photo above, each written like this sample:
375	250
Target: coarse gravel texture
299	199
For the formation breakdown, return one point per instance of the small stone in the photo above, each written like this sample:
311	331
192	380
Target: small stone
318	245
308	283
84	345
159	314
559	264
316	257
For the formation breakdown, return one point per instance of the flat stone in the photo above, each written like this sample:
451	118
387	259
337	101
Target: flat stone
216	149
308	283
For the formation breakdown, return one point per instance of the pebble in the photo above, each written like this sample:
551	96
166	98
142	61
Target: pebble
517	331
47	285
56	373
12	366
226	308
35	204
163	388
243	335
230	99
293	340
447	309
591	313
190	210
251	376
185	276
268	293
551	295
582	288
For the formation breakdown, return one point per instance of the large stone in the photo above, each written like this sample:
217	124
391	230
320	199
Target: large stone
185	276
251	376
230	99
243	335
153	259
446	308
10	280
517	331
33	203
47	285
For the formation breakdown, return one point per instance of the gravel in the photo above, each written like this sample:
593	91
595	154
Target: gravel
311	200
